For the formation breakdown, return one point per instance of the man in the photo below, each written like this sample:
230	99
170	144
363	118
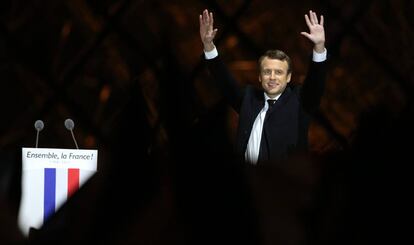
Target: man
273	130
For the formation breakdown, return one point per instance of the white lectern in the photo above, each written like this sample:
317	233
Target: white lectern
49	177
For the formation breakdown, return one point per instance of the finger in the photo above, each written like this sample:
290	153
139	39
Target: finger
214	32
321	20
203	17
207	18
313	19
306	35
308	23
310	17
210	21
316	18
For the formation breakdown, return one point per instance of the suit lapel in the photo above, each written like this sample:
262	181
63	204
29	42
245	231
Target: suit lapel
258	103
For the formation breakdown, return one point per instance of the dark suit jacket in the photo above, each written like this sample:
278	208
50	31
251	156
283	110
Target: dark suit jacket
285	129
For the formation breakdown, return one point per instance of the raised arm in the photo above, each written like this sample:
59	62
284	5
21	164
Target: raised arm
222	77
207	31
314	84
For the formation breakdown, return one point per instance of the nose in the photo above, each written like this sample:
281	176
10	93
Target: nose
273	75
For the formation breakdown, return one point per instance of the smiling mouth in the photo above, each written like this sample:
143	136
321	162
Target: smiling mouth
272	85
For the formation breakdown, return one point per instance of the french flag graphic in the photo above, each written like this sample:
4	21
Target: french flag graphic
59	185
49	178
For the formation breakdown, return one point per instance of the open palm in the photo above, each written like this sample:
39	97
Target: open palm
316	30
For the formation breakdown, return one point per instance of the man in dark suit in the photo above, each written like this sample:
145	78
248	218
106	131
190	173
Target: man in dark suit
271	131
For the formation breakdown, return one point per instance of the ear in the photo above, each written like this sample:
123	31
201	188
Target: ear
260	79
289	76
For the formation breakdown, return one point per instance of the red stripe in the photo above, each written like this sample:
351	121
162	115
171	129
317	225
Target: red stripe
73	181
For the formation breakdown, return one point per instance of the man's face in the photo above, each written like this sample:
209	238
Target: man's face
274	76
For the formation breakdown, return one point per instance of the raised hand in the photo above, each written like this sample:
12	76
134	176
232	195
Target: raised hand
316	31
207	33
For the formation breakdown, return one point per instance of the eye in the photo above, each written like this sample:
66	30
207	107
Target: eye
267	72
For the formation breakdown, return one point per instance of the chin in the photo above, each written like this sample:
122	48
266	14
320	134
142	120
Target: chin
273	92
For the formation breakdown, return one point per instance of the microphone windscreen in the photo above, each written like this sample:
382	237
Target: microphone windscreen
39	125
69	124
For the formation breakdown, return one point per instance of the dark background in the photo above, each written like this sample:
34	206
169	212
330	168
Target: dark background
130	74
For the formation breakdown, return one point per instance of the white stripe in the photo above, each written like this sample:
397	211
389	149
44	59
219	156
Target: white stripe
61	187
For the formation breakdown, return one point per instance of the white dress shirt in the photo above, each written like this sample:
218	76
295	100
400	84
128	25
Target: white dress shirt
253	146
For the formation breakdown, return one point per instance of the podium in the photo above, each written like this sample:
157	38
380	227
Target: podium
49	177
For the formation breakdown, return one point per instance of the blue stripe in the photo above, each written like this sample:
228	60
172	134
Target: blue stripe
49	193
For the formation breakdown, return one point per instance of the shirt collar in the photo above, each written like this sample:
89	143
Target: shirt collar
266	97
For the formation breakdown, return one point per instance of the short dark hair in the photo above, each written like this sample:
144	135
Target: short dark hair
276	55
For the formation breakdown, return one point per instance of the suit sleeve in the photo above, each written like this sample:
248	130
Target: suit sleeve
313	86
225	82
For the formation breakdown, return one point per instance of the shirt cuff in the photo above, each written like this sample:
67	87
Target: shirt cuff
319	57
211	54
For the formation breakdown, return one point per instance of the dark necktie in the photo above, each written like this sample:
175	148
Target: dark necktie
271	103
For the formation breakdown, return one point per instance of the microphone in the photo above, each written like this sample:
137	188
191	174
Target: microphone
69	124
39	125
